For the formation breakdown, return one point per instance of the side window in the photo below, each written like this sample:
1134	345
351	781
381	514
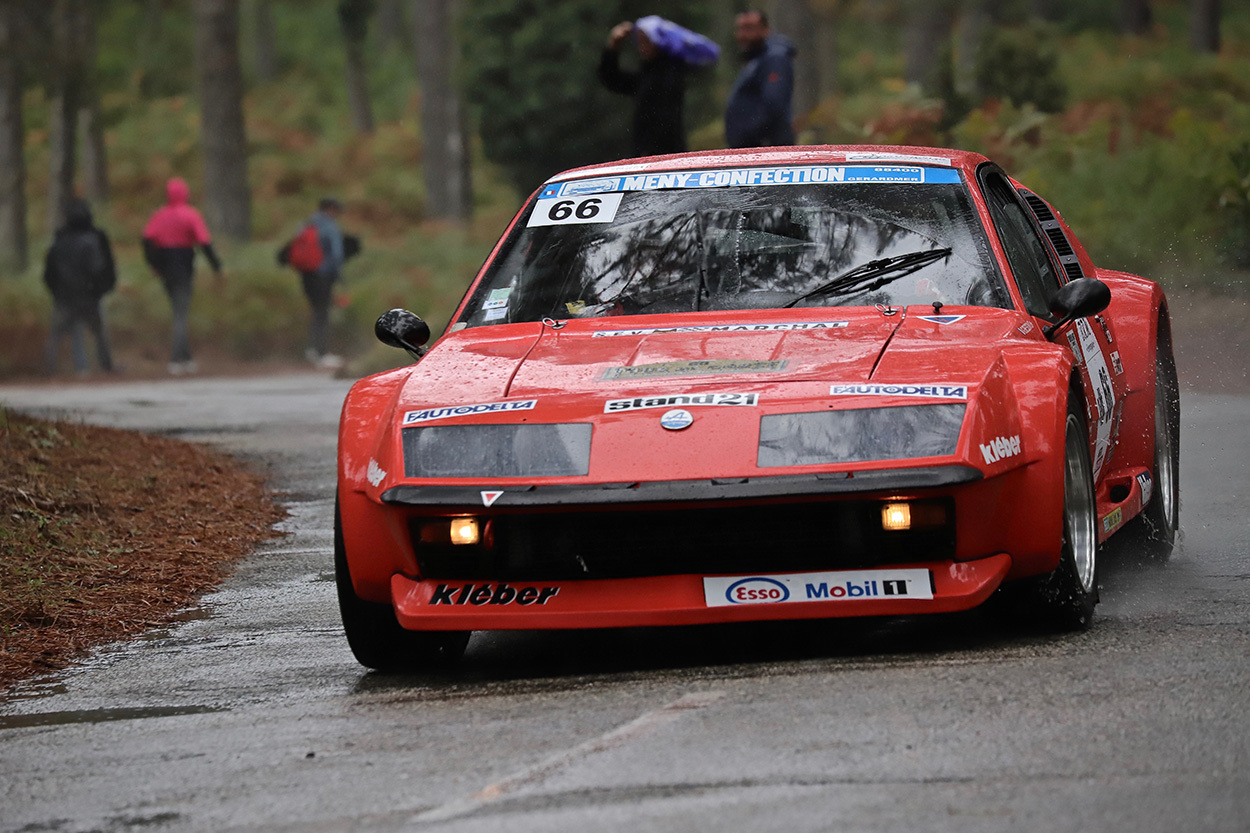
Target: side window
1030	262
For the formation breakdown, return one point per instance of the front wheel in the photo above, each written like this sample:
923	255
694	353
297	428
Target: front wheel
1067	596
374	634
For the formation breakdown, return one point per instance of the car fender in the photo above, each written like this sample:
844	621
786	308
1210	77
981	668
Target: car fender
376	544
1041	377
1137	306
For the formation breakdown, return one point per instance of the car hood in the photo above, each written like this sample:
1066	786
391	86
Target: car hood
609	357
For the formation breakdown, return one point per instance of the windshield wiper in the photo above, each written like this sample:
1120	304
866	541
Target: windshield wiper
875	274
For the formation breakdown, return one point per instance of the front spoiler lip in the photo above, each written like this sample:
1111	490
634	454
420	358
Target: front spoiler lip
664	491
679	600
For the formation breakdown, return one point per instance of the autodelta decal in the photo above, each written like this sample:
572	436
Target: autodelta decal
942	319
671	400
429	414
697	367
375	474
738	177
930	390
1000	448
495	595
839	586
726	328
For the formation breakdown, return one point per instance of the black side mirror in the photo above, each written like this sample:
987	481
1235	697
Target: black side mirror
1079	298
401	328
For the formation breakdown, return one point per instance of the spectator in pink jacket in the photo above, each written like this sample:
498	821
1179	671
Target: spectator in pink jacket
169	243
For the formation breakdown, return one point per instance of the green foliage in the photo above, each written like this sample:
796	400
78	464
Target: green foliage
1235	202
530	69
1021	66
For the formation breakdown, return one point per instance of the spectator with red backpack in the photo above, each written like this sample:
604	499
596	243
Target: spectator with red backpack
318	252
79	271
170	239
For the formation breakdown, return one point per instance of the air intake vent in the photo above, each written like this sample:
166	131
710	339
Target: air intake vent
1054	232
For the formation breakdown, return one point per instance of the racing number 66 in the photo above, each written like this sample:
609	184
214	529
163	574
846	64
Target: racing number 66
597	208
585	209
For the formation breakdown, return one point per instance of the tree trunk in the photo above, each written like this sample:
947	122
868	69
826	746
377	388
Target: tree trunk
827	50
69	59
444	141
223	137
392	25
926	31
265	40
975	18
1135	17
13	252
354	23
1204	25
794	19
94	154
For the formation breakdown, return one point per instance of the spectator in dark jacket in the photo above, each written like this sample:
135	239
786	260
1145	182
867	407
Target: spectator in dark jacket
665	51
319	284
758	113
79	272
169	242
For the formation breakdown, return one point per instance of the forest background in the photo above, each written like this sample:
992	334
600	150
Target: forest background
432	119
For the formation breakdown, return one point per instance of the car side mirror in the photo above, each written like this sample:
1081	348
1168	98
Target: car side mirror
403	329
1078	298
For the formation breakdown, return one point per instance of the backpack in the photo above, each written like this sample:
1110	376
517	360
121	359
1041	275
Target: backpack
304	253
80	265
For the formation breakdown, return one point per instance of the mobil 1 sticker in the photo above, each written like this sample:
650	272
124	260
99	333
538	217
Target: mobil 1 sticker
598	208
840	586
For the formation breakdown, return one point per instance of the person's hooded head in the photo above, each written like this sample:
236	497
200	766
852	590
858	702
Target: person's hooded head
177	192
657	36
78	216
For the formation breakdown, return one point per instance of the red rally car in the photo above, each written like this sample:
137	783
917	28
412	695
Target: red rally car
778	384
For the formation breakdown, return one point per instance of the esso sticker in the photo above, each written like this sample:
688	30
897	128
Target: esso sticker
599	208
757	590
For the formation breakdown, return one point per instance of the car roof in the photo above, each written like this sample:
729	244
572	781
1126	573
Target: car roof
798	155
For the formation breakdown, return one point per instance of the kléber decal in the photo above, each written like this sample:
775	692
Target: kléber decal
1000	448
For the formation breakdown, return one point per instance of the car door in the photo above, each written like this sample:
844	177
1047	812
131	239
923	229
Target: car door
1039	272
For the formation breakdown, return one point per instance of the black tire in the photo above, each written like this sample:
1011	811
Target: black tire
1066	598
374	634
1153	532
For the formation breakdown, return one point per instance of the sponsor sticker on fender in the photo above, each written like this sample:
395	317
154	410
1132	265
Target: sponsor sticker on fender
1147	487
1000	448
841	586
925	389
467	410
1113	520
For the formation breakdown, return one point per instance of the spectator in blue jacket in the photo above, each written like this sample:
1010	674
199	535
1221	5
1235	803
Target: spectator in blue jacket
319	285
758	113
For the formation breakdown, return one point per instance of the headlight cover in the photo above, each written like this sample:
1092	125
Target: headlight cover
527	450
859	435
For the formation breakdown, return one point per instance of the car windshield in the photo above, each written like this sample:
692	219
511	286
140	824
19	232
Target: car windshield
585	249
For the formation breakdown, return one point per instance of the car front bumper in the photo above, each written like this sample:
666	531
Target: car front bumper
435	604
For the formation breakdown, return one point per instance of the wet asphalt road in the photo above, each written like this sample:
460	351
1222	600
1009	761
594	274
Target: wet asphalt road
250	713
